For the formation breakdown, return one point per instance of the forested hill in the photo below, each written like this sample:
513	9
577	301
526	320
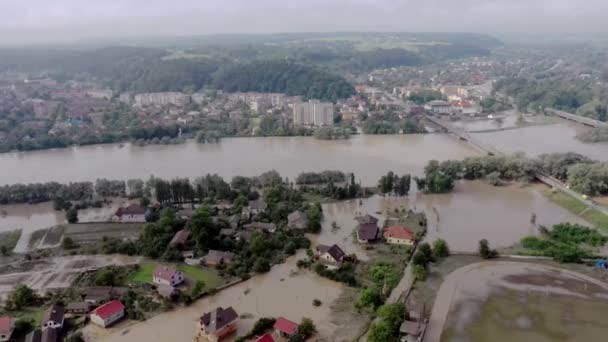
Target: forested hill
283	77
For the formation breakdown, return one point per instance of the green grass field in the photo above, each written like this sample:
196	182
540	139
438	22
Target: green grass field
10	239
594	217
31	314
194	273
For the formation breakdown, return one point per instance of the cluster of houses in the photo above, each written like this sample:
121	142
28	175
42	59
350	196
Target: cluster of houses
368	231
215	325
52	325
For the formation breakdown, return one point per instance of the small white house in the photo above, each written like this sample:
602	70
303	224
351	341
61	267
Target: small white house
164	275
108	313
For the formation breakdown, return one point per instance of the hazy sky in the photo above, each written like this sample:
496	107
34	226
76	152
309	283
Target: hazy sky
67	20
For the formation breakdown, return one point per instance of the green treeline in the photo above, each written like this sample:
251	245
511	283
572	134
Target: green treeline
565	242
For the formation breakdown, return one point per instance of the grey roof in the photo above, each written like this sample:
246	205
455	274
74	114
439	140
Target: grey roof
269	227
367	231
410	328
366	219
258	205
34	336
78	306
50	335
167	291
335	251
218	256
55	313
218	318
438	103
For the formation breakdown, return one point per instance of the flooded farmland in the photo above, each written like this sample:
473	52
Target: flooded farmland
507	301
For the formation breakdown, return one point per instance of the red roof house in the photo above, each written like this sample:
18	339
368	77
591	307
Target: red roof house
108	313
7	326
265	338
285	328
399	235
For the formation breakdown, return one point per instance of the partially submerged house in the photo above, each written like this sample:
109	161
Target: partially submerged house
366	219
285	328
399	235
99	294
132	213
331	256
367	232
218	324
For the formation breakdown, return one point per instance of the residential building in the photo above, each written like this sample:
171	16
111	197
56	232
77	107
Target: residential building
108	313
100	93
438	107
161	99
98	294
399	235
78	308
254	208
54	317
265	338
34	336
313	113
285	328
214	258
218	324
168	292
7	326
366	219
164	275
297	220
180	238
132	213
331	256
367	232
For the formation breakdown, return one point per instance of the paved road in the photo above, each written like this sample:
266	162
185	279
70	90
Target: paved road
555	183
577	118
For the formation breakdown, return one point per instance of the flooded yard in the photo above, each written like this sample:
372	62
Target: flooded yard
473	211
284	291
517	301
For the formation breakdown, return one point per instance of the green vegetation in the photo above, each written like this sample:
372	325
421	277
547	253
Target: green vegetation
484	250
594	135
20	297
440	249
390	318
389	122
565	242
324	184
392	183
208	277
332	133
8	241
423	96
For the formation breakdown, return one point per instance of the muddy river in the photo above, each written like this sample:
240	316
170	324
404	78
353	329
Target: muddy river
281	292
513	301
368	156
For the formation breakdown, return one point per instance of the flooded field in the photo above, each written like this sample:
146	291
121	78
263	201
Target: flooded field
56	272
474	210
282	292
32	217
513	301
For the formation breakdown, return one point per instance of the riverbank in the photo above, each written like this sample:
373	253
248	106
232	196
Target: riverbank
594	217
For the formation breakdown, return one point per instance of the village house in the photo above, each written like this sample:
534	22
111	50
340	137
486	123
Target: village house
164	275
285	328
254	208
168	292
78	308
7	326
265	338
54	317
108	313
48	335
438	107
366	219
218	324
132	213
331	256
214	258
297	220
180	238
399	235
261	227
367	232
99	294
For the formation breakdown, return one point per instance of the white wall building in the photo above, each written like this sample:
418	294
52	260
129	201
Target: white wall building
313	113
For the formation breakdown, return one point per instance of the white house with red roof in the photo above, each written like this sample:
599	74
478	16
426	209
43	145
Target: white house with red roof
7	326
108	313
399	235
164	275
265	338
285	328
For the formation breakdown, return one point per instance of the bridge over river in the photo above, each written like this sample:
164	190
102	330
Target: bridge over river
551	181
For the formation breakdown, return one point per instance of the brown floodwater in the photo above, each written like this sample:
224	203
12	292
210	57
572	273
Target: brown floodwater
507	301
282	292
552	138
32	217
368	156
474	210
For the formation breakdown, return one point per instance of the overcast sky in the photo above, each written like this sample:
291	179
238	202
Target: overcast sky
49	21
